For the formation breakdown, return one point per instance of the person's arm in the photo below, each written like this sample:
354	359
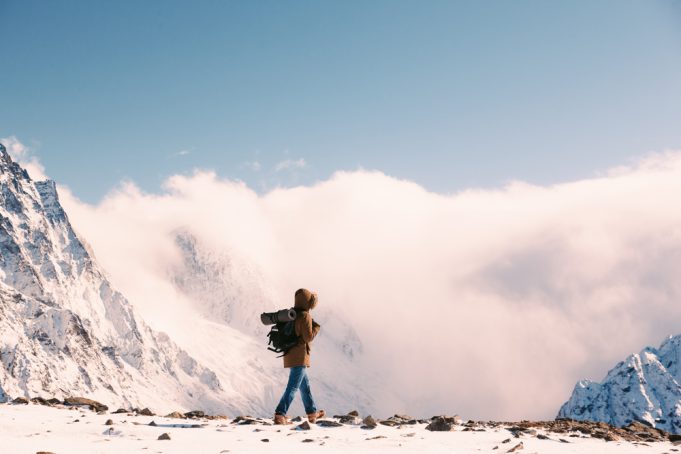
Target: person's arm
308	329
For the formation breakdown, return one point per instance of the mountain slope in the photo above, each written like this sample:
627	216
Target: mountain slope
64	330
645	387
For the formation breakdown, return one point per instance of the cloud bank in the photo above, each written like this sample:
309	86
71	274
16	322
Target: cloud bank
489	303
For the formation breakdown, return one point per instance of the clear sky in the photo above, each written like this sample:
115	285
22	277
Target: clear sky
448	94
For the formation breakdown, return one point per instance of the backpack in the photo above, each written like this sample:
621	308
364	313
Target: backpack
282	337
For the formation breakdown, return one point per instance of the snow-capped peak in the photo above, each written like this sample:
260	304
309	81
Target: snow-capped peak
644	387
64	329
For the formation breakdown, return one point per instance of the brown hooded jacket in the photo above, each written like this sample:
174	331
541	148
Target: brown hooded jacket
306	328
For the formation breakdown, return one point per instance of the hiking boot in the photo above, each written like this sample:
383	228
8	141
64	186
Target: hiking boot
313	417
281	419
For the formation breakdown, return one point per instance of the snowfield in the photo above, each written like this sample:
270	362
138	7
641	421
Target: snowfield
31	428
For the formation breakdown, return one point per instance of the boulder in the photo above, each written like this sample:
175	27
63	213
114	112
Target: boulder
84	402
195	414
20	401
175	414
369	423
439	424
146	412
164	436
349	419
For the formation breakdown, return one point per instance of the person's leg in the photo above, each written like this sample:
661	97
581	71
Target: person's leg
294	378
306	394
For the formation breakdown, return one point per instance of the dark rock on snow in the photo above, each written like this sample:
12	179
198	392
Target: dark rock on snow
369	423
328	423
439	424
83	402
304	426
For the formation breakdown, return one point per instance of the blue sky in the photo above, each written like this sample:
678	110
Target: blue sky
448	94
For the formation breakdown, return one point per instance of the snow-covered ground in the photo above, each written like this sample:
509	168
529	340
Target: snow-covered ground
28	429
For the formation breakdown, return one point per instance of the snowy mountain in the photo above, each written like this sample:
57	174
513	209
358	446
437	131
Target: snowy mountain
64	330
645	387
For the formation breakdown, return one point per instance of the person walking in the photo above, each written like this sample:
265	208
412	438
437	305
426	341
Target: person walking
297	360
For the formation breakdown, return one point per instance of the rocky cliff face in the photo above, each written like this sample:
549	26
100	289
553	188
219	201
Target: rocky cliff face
645	387
64	330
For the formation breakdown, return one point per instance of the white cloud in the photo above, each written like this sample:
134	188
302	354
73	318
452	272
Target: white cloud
24	156
489	303
183	153
290	164
14	147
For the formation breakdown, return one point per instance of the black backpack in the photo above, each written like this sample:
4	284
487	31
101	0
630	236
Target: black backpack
282	337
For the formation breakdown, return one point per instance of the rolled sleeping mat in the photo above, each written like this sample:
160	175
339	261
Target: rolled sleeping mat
282	316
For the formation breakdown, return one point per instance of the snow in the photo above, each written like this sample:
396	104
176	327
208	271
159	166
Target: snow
644	387
31	428
64	329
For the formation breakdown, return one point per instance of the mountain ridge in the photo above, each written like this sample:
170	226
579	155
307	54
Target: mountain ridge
645	387
64	329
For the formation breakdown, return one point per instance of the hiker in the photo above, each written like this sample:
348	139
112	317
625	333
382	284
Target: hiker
297	360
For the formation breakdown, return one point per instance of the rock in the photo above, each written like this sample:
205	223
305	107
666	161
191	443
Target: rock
195	414
20	401
176	415
674	437
349	419
40	401
84	402
53	401
439	425
119	411
389	422
369	422
245	420
146	412
328	423
153	424
353	413
304	426
109	422
297	419
164	436
517	447
265	440
543	437
308	440
44	452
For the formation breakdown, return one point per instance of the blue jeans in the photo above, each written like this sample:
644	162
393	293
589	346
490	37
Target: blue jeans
297	379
